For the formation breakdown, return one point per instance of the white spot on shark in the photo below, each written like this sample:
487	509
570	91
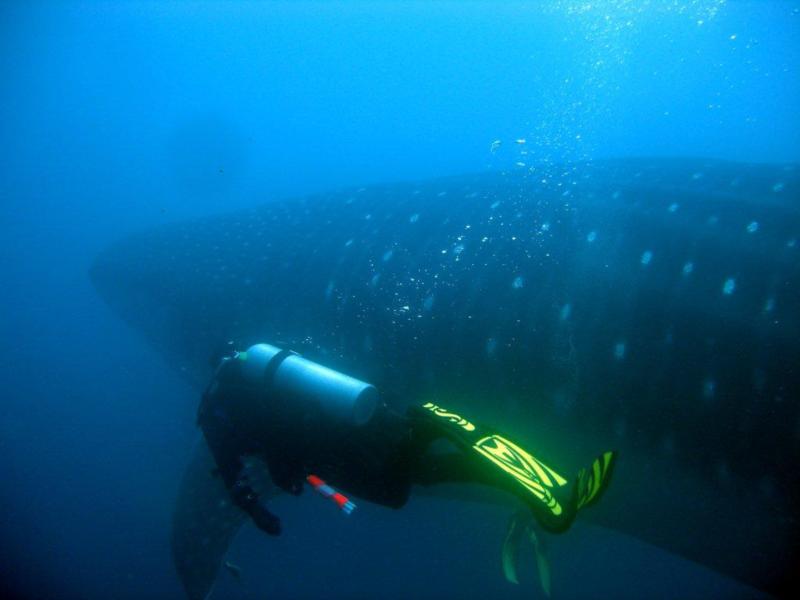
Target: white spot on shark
729	286
565	312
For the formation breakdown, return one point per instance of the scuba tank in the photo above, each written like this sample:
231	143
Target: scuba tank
286	374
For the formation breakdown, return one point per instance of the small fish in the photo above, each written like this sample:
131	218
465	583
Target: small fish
495	146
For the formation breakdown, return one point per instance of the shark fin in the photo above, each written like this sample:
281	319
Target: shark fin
203	525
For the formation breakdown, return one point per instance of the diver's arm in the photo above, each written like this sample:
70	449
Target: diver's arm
228	452
455	466
286	474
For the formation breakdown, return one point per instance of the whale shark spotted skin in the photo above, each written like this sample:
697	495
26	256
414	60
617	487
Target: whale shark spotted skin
648	305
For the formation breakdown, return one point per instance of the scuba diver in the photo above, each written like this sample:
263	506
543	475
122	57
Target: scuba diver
312	424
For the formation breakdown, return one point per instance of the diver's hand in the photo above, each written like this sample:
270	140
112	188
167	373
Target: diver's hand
265	520
289	477
293	485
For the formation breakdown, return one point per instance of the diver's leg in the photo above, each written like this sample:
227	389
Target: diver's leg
450	467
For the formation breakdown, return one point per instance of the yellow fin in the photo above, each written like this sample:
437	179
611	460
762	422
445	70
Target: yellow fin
592	482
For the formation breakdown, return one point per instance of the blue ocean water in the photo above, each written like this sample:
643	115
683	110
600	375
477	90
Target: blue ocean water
119	116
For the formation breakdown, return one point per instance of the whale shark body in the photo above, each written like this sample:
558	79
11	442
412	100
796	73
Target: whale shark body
652	305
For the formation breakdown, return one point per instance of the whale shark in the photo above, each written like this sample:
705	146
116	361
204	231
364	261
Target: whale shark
650	304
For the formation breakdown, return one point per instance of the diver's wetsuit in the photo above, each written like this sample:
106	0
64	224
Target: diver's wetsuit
378	461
